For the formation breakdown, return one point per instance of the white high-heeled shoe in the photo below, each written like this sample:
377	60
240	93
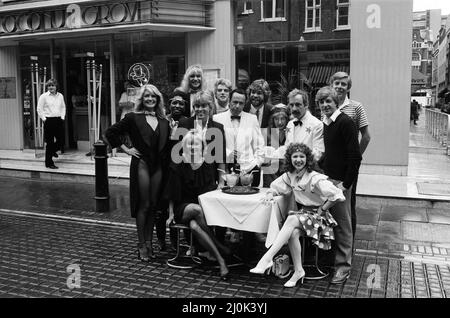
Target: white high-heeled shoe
262	270
293	282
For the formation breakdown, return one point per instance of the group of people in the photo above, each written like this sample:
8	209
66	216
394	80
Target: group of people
178	156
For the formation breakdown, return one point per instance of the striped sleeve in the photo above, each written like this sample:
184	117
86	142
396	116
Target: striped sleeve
356	111
361	116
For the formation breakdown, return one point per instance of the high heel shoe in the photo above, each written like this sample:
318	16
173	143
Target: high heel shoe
142	253
293	282
150	252
225	275
262	270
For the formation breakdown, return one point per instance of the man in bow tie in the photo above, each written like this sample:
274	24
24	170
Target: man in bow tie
304	127
243	137
244	146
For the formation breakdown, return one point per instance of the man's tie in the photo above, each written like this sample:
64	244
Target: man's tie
257	113
236	117
298	122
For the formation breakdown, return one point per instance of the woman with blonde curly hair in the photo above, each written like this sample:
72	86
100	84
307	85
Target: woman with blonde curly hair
149	133
193	81
314	195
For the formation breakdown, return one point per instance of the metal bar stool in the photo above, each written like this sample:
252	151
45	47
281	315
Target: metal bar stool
312	271
183	261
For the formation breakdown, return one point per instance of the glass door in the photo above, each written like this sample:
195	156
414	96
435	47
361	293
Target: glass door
34	71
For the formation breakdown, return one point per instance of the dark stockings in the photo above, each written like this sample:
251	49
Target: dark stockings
148	192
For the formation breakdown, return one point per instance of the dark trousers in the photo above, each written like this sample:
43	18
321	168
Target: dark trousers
343	236
53	136
160	224
353	207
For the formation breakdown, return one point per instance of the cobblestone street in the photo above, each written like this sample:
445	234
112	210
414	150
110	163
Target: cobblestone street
37	255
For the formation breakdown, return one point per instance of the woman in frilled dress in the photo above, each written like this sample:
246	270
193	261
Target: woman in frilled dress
314	195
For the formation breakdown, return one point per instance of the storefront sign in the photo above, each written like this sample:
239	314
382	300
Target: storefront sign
104	14
73	16
139	73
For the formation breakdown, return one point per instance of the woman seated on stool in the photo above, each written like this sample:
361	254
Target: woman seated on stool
314	195
187	180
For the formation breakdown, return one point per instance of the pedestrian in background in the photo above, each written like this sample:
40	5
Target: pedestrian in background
149	133
51	109
414	115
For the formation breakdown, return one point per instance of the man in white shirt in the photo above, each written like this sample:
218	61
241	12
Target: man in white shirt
51	109
243	137
304	127
222	89
258	94
244	148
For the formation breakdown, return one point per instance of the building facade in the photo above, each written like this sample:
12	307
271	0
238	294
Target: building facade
292	43
129	39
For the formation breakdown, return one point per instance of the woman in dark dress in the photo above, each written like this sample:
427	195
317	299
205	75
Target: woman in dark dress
149	133
198	173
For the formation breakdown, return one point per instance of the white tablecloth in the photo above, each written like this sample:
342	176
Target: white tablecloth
246	212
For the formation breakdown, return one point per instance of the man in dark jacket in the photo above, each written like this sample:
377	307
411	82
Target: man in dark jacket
341	164
258	94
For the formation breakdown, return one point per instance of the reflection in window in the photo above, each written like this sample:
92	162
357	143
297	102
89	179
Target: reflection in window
342	13
273	10
313	11
272	56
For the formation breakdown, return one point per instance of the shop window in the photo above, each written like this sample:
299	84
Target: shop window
313	16
273	10
247	7
273	56
342	15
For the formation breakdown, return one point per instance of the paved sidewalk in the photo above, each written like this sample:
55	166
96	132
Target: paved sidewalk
39	254
47	226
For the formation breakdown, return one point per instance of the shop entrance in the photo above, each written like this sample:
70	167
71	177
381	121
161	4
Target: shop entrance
87	117
77	60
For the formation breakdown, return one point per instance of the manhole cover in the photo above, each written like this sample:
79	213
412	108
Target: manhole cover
433	188
426	232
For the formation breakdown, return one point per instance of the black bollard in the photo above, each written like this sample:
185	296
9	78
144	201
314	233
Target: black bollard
101	177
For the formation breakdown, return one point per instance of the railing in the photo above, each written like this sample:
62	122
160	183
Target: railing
438	125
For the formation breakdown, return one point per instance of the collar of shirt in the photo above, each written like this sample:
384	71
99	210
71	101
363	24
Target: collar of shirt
220	108
198	125
253	111
327	121
304	120
345	103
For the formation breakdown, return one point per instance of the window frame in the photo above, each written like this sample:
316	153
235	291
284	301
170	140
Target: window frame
274	18
272	50
338	6
314	8
247	11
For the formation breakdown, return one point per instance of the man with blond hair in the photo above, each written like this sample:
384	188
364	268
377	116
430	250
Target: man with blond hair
342	83
222	89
